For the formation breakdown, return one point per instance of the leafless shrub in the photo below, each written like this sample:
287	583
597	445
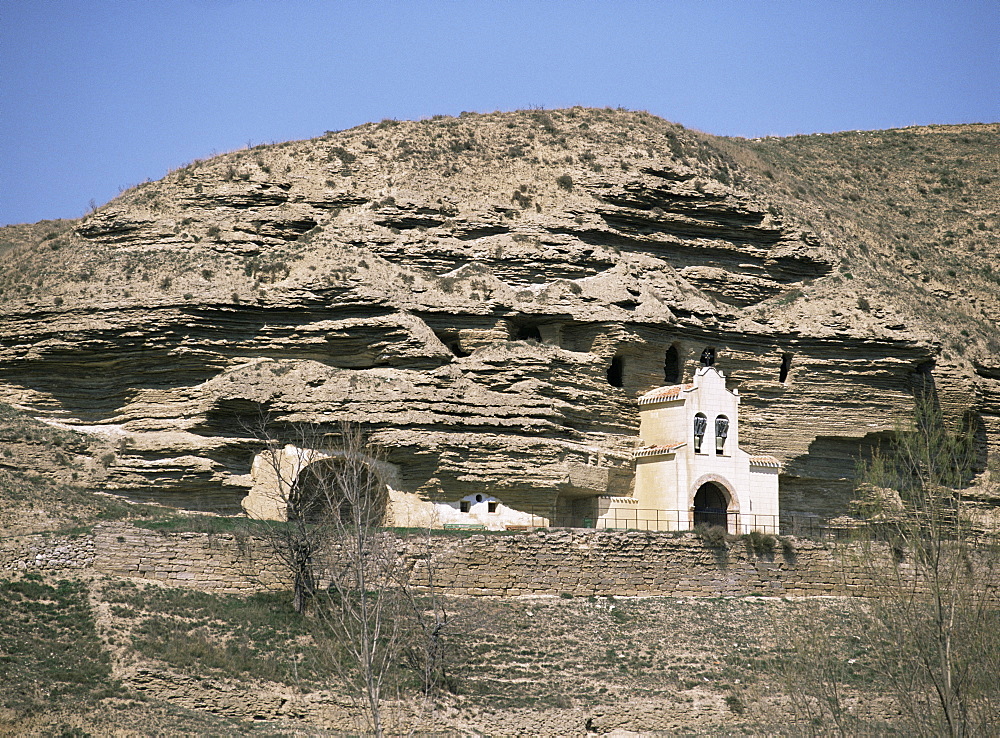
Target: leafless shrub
349	571
932	634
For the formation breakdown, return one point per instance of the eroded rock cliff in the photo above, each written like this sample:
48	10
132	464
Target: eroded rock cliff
488	294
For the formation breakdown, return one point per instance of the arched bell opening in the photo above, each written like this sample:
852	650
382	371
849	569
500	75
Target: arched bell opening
339	490
700	426
721	434
711	506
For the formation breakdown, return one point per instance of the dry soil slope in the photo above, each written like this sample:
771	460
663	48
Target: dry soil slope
463	286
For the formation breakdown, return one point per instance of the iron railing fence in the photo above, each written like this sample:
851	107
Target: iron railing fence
800	525
647	520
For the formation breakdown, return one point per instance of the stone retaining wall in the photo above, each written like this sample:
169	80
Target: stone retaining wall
39	551
208	561
637	563
548	561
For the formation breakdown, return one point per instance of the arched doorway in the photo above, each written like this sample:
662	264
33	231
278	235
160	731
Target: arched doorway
339	490
711	506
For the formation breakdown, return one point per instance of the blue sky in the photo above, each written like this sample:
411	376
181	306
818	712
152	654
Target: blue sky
97	96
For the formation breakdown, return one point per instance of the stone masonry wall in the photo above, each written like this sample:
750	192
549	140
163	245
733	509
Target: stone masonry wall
542	562
21	553
208	561
635	564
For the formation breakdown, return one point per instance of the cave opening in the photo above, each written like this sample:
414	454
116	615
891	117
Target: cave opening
452	341
528	333
524	328
786	365
616	372
672	369
353	491
922	378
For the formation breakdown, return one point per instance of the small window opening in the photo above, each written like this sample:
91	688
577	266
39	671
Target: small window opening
479	498
616	372
491	507
464	506
672	366
700	426
708	356
786	364
721	433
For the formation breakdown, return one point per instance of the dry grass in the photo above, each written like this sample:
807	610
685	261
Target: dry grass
915	211
910	214
704	664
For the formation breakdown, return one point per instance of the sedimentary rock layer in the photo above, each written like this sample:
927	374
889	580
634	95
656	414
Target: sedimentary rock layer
488	296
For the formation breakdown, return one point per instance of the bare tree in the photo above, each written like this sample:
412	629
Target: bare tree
294	527
931	631
428	652
936	611
353	574
364	604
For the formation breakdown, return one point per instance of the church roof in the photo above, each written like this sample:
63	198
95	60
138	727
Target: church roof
668	448
765	461
665	394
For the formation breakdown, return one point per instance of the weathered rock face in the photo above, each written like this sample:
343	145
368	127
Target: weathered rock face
487	294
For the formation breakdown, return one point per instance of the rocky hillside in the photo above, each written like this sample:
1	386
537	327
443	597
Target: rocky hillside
489	293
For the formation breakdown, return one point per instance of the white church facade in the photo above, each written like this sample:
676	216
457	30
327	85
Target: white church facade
689	468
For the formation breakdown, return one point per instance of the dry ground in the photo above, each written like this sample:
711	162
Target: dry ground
105	656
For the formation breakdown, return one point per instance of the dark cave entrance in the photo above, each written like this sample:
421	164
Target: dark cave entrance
453	341
349	490
672	370
786	365
616	372
522	328
528	333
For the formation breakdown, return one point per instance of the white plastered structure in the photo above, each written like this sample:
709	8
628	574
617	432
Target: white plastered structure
673	464
478	510
275	472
